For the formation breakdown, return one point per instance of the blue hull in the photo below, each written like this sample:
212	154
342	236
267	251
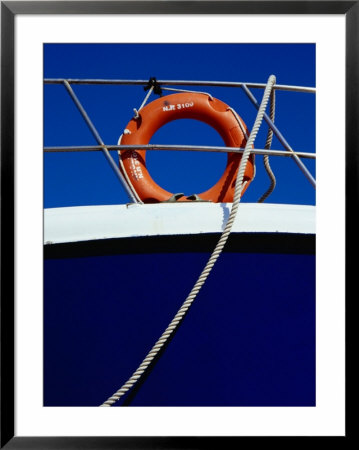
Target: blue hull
248	339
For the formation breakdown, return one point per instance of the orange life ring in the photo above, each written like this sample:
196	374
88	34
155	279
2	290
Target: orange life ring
183	106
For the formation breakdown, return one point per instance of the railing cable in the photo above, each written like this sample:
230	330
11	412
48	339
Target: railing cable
96	135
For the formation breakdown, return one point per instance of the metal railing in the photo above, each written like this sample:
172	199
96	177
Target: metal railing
196	148
280	87
105	149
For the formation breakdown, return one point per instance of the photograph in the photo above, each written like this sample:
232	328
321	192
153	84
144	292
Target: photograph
179	215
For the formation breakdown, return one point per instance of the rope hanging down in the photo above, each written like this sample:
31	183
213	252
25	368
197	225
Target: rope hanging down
152	86
267	146
213	258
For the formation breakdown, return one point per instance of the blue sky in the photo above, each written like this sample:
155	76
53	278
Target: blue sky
75	179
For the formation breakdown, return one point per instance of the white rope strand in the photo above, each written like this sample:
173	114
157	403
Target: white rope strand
267	146
136	111
213	258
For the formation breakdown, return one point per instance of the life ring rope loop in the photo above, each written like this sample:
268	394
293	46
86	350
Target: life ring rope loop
161	111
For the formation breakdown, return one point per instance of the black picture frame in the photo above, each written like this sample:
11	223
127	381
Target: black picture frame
9	9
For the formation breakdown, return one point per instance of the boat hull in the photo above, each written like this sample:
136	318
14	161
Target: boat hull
247	340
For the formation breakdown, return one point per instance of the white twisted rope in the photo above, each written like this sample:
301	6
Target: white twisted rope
267	146
136	111
213	258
